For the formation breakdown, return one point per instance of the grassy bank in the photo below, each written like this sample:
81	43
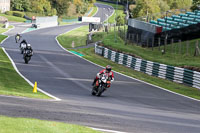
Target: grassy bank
11	83
78	36
172	86
2	37
13	18
94	11
25	125
2	29
174	59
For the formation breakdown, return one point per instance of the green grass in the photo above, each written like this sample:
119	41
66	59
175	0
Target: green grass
2	37
118	11
11	83
25	125
94	10
172	86
2	29
13	18
170	58
78	36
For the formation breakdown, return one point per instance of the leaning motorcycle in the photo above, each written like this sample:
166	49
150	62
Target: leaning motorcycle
17	39
27	56
22	47
101	85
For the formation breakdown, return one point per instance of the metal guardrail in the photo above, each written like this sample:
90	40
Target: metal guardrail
175	74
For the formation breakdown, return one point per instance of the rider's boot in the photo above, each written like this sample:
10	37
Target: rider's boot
94	81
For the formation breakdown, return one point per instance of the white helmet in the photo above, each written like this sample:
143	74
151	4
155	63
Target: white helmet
28	46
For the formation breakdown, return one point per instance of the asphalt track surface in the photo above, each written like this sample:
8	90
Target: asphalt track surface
128	106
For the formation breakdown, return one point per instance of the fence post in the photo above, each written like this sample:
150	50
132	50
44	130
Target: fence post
159	43
133	38
180	46
172	42
165	46
152	43
147	43
187	47
197	51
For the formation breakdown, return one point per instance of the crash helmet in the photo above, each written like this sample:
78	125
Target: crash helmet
108	68
28	46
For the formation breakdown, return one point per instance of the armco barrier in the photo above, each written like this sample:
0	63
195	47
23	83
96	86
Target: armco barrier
175	74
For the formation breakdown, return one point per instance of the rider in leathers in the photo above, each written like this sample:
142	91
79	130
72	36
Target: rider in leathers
108	71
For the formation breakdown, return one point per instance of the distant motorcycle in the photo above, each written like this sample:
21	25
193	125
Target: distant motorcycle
101	85
27	55
22	47
17	37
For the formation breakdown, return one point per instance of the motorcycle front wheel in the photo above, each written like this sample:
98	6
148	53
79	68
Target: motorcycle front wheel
94	91
101	90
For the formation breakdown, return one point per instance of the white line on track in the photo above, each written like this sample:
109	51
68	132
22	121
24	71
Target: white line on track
105	130
90	80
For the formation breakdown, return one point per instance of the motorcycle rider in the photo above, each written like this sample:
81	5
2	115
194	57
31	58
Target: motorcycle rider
23	41
17	37
29	49
108	71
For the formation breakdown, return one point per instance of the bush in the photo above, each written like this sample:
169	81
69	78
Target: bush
9	13
18	14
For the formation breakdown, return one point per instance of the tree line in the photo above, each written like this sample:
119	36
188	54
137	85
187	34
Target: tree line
50	7
144	7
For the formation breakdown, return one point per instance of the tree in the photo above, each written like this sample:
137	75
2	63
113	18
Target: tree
20	5
120	20
195	4
145	7
163	6
61	6
41	6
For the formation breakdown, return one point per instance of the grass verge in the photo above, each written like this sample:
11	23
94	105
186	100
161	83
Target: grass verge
94	11
78	36
2	37
170	58
172	86
13	18
10	81
25	125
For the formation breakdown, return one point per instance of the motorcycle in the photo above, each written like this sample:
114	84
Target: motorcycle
101	85
17	38
22	47
27	56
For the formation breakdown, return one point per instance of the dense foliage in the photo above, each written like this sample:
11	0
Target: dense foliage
50	7
143	7
195	4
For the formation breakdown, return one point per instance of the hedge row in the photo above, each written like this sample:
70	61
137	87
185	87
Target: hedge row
15	13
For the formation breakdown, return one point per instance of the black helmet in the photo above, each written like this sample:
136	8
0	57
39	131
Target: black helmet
108	68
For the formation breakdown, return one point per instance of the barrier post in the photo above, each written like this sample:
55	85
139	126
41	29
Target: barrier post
159	43
152	43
